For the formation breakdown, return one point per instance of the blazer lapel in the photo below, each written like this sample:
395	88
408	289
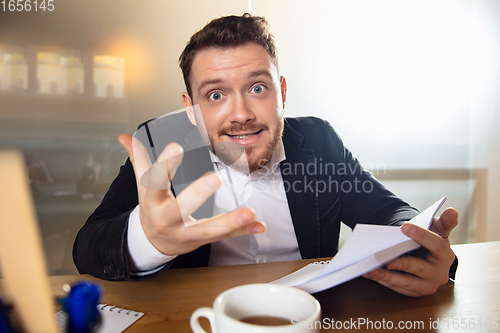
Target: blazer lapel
300	186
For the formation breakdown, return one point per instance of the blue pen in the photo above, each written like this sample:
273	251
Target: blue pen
81	305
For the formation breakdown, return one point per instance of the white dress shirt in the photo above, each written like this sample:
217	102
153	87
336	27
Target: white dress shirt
263	191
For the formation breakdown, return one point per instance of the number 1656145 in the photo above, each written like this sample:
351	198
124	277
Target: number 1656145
27	5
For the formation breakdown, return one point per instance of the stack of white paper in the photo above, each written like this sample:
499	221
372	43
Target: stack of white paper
369	247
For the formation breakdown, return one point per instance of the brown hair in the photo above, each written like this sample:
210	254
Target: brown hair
227	31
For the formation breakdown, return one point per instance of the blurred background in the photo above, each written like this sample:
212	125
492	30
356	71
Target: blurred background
410	85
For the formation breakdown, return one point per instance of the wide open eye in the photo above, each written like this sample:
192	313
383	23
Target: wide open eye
257	89
215	96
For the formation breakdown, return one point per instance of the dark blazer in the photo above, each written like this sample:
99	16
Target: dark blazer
325	185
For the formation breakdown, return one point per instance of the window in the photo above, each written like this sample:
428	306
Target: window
53	87
18	85
74	88
110	91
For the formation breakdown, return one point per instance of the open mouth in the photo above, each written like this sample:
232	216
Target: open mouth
245	136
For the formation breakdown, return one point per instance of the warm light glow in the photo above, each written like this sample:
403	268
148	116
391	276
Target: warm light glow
109	60
48	57
135	55
14	57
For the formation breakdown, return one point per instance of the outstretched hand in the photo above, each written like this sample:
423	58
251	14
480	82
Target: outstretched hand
417	277
166	219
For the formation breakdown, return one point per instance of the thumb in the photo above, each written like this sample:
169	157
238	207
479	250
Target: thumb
137	154
126	141
446	222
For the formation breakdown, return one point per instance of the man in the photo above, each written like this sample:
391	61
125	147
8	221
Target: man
149	219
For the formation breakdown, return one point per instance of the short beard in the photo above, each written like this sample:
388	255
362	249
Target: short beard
231	153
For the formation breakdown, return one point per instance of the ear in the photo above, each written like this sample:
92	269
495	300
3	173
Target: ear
283	90
188	105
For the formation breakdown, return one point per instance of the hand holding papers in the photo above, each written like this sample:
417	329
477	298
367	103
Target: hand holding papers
369	247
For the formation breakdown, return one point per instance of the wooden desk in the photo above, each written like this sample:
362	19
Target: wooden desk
169	299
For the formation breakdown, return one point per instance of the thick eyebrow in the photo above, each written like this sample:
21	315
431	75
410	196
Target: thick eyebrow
207	83
264	72
253	74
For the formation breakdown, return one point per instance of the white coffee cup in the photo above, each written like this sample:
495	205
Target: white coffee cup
257	300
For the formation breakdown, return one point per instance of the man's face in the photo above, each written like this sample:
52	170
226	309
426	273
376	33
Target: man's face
241	99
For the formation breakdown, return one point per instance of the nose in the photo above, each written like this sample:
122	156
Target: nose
240	110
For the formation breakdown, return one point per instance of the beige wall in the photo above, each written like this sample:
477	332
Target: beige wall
485	119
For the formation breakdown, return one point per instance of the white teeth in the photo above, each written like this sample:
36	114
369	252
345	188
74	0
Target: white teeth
246	136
